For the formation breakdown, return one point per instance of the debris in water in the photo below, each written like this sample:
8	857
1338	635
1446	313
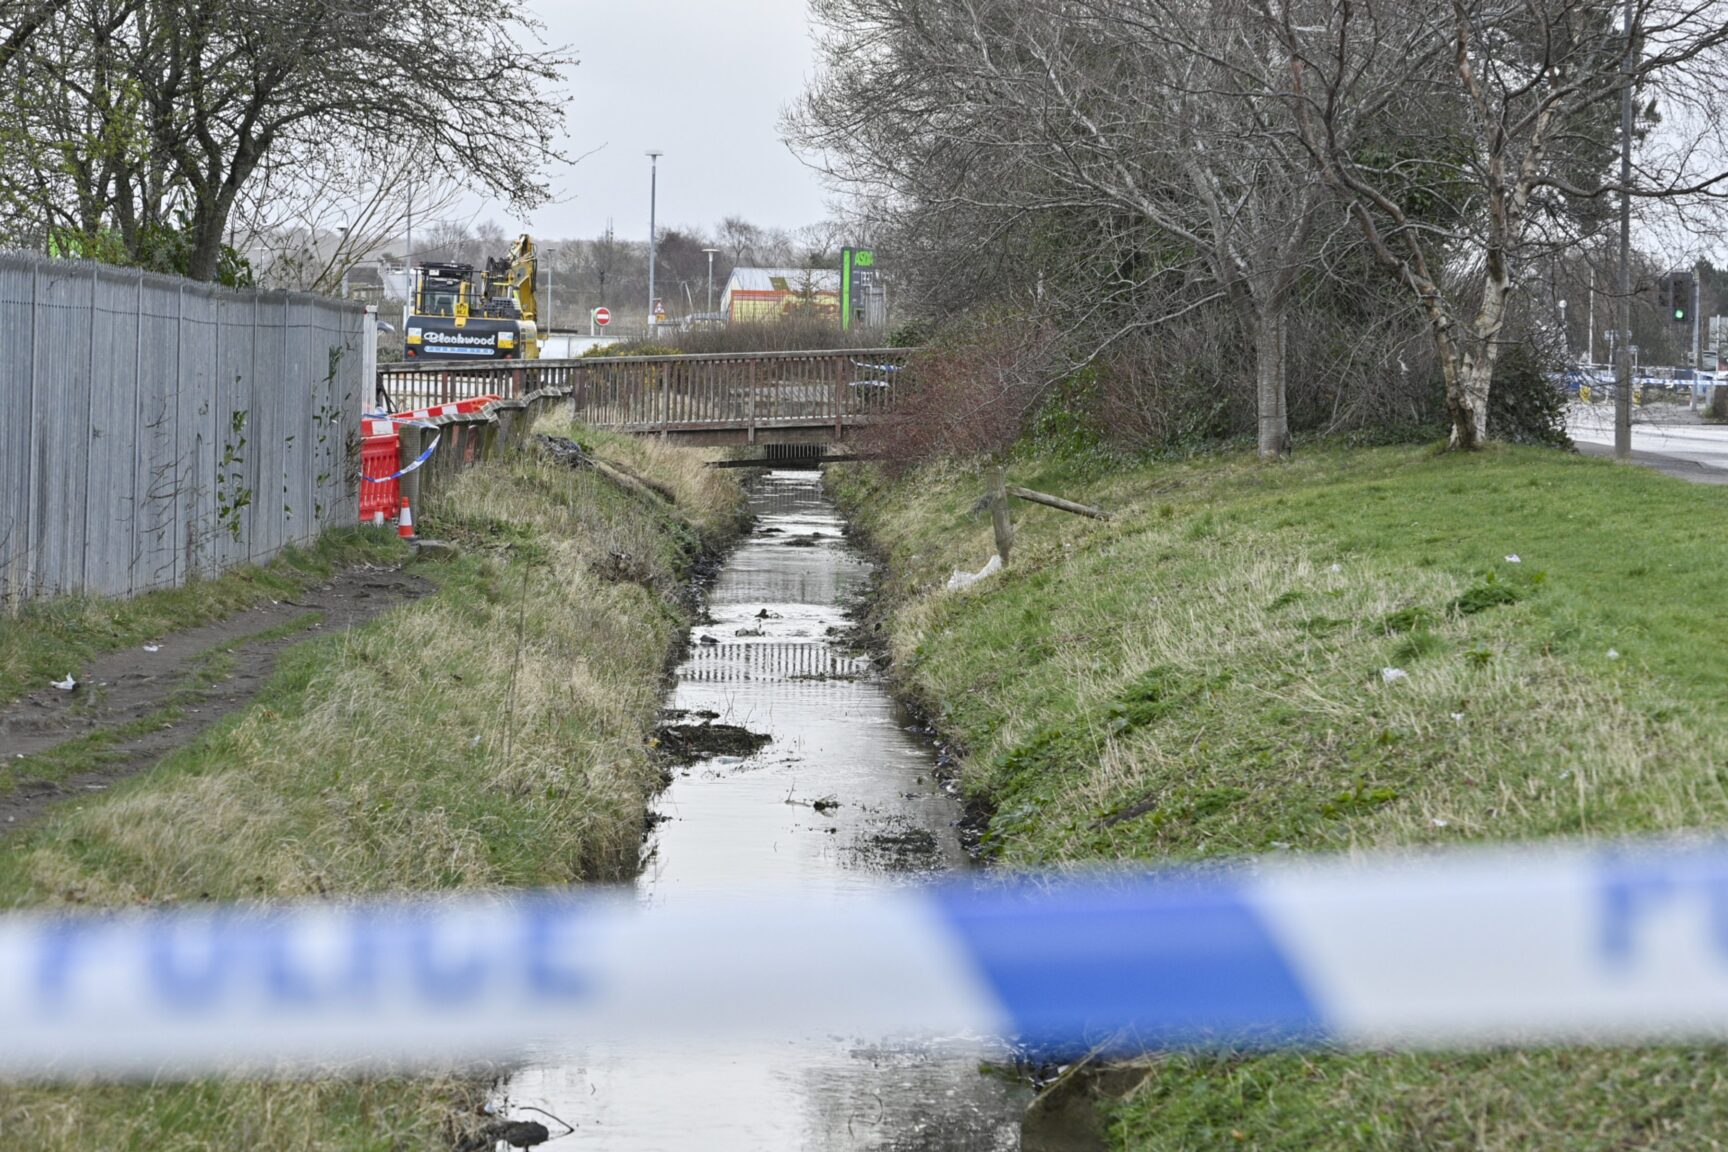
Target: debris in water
688	743
706	639
825	805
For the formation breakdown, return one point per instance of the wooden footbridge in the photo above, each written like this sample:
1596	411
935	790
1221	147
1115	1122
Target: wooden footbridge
727	398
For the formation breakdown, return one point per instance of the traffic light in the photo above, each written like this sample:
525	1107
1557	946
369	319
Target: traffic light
1680	303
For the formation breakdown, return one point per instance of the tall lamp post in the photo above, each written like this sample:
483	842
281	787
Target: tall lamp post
550	252
342	255
1623	364
653	190
710	252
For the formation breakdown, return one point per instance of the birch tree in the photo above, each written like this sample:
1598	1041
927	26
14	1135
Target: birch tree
1471	139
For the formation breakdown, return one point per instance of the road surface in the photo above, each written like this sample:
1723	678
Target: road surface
1667	438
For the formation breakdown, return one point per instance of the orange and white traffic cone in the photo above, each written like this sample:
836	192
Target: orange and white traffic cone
405	522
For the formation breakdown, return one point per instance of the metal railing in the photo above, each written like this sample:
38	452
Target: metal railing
722	391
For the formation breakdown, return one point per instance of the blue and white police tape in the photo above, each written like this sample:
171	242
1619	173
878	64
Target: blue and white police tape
386	418
1588	945
409	467
878	367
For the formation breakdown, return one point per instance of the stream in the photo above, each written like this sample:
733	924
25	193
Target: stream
766	659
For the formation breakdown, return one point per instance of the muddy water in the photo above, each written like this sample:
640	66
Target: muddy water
764	659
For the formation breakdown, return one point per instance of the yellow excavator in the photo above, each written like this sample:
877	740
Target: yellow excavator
458	312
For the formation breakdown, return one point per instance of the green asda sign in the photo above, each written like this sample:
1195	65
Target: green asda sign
857	277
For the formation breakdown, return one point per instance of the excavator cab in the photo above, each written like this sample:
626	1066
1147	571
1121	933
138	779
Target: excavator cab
458	313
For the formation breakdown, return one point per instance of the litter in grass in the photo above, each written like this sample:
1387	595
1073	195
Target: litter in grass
1393	675
966	579
1513	559
67	684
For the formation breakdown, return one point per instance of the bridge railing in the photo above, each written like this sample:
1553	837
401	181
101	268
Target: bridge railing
733	390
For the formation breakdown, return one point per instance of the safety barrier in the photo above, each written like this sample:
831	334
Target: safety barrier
381	466
1605	944
380	491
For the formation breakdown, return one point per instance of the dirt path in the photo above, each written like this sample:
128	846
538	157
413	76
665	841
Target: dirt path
120	692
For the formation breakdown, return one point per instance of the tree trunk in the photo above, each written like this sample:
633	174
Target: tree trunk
1467	400
1274	421
1467	385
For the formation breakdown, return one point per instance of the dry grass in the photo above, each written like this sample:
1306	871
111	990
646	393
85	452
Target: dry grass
493	734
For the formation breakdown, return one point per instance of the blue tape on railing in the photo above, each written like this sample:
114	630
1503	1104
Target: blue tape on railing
878	367
1618	944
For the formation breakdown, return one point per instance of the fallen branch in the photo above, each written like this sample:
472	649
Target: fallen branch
572	454
626	477
1057	502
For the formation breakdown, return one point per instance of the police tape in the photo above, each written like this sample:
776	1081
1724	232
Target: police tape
1605	945
383	424
407	468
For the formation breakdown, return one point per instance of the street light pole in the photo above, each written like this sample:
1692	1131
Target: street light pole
1623	369
342	255
550	252
653	192
710	252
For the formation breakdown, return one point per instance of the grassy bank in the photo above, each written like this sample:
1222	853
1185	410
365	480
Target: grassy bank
489	735
1205	676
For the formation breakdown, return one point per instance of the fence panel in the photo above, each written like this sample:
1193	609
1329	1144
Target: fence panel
156	429
17	320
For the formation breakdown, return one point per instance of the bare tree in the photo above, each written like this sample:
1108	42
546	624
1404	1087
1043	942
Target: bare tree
176	105
1164	124
19	21
314	213
1470	139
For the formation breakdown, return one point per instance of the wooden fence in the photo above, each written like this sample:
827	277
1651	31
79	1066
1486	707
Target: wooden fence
739	391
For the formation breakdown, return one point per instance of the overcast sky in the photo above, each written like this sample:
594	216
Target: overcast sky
704	81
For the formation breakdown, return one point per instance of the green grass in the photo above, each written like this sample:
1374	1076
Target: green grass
44	640
493	734
1202	677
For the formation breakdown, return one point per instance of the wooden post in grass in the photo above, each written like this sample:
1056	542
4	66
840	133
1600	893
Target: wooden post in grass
999	514
1057	502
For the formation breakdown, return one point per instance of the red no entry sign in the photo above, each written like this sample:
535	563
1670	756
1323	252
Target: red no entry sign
602	316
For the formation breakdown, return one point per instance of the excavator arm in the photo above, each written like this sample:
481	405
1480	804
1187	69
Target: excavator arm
523	266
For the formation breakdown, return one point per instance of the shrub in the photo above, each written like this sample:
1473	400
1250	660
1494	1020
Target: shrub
970	392
1525	405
